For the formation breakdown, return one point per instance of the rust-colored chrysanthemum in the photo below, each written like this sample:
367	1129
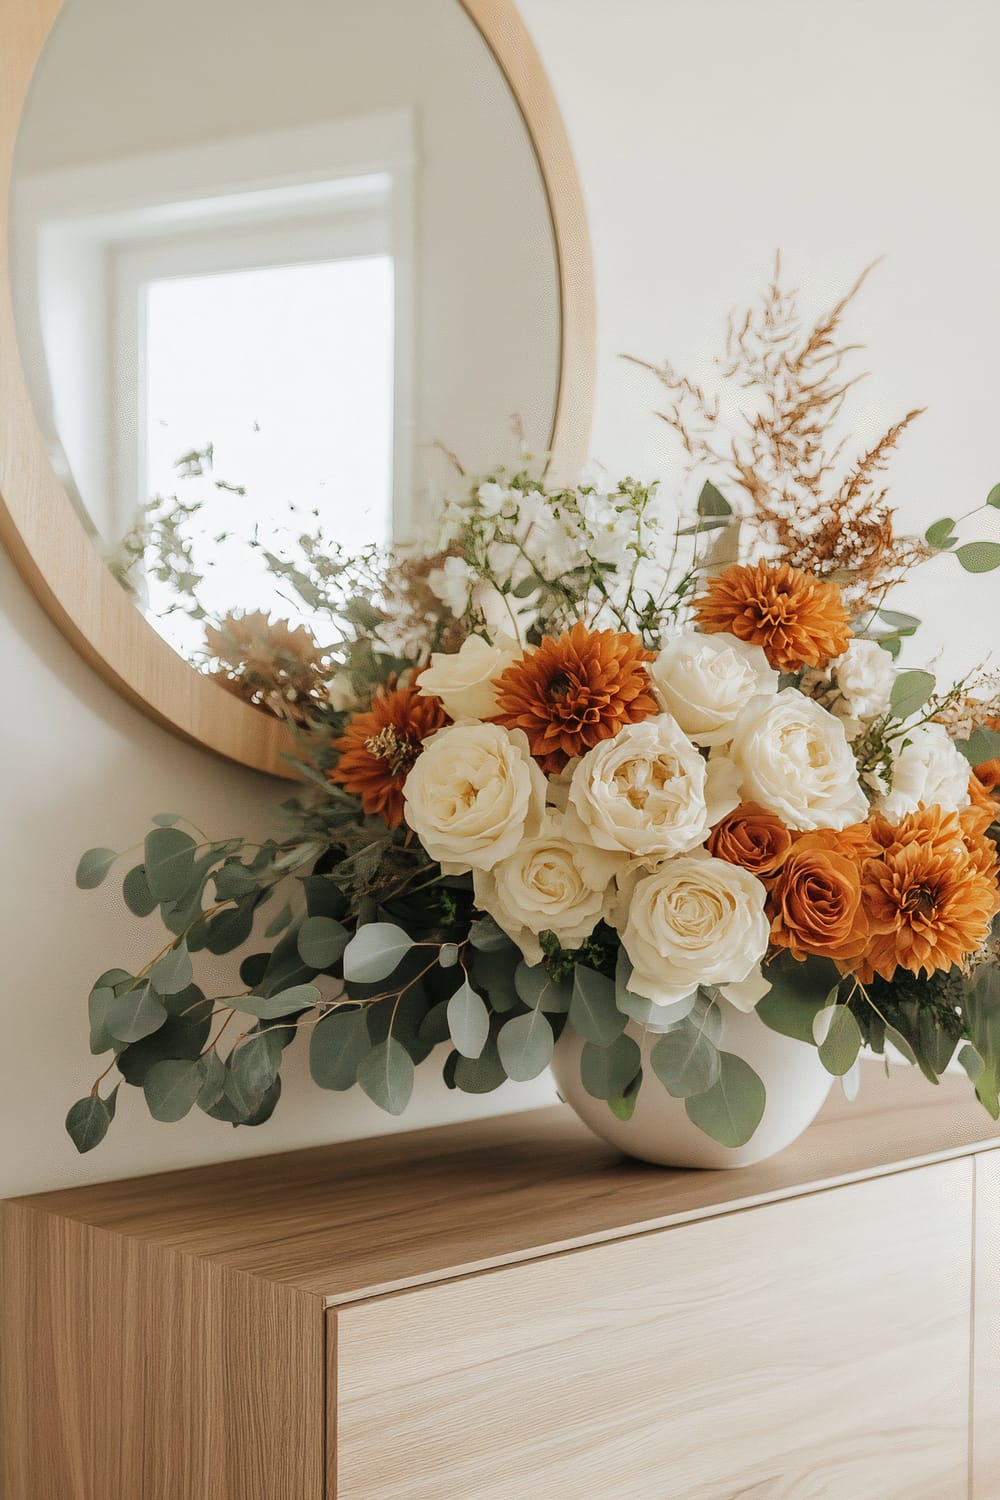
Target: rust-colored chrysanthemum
929	897
571	693
378	748
799	620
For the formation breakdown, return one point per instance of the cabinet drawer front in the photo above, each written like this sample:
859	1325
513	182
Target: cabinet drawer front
811	1349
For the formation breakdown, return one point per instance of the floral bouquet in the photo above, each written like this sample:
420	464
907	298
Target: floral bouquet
590	772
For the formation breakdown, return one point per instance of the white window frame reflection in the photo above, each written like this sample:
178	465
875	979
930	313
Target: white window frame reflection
90	235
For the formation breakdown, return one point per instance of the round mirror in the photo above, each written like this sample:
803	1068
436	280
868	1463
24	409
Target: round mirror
278	277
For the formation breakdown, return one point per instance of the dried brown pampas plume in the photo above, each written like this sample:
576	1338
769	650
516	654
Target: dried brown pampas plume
784	456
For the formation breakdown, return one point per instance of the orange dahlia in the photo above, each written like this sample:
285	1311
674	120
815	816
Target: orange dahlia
571	693
930	896
378	748
799	620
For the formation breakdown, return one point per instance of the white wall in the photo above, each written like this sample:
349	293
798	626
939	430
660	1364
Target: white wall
708	132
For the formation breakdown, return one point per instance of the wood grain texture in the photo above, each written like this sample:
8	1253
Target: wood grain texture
47	538
778	1354
986	1332
131	1372
364	1217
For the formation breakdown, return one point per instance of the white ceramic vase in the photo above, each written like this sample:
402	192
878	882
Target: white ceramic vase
659	1131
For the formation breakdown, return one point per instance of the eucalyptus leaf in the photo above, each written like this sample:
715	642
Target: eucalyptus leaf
285	1003
941	533
375	951
88	1120
686	1059
969	1057
173	972
901	1044
488	937
213	1080
230	929
525	1044
92	871
433	1029
838	1038
910	691
982	745
593	1012
99	1001
606	1072
468	1021
448	955
234	880
386	1075
993	498
135	890
166	820
280	922
252	1068
322	941
799	991
730	1111
537	989
979	557
479	1075
337	1046
135	1014
169	860
171	1088
178	1038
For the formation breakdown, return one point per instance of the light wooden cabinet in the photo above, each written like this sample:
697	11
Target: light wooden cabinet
510	1309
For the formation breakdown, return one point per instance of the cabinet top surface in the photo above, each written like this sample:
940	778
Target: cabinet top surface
365	1217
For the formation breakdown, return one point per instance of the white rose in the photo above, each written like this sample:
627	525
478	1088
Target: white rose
644	792
706	681
927	770
697	920
464	680
452	584
555	882
473	794
864	675
794	759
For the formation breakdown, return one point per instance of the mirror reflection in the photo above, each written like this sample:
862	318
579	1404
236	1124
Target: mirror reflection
271	269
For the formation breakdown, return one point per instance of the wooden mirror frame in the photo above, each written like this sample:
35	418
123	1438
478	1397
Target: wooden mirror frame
40	526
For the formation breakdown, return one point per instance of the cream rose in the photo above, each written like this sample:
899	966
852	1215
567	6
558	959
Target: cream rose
464	680
555	882
794	759
697	920
706	681
647	791
864	675
473	794
927	770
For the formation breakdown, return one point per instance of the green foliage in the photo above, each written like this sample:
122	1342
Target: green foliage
607	1071
838	1038
799	991
88	1120
979	557
593	1010
93	868
910	691
940	534
733	1107
171	1088
686	1058
525	1045
386	1075
375	952
468	1021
